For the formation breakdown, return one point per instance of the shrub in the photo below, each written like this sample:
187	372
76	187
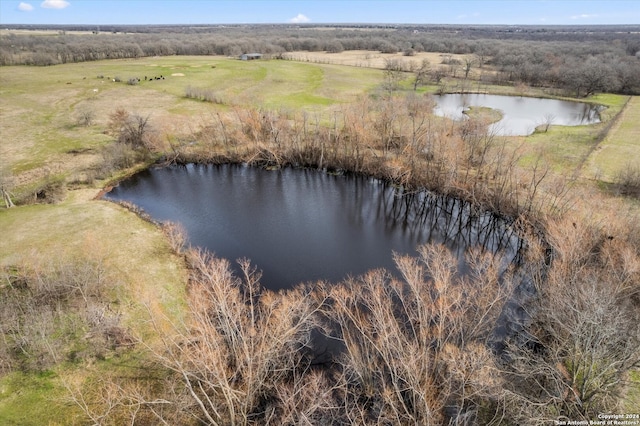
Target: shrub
206	95
176	234
583	337
116	157
85	117
627	180
241	346
408	349
130	129
53	312
49	190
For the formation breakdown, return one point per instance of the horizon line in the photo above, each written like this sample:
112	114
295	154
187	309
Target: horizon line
311	24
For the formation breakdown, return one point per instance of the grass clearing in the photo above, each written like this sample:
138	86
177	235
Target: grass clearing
632	400
563	148
567	148
28	400
484	114
620	148
136	249
369	59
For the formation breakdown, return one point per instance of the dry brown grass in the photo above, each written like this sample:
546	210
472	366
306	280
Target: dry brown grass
369	59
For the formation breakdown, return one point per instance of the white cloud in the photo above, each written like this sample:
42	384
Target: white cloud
465	16
25	7
300	19
584	16
54	4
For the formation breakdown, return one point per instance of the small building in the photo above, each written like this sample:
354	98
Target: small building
250	56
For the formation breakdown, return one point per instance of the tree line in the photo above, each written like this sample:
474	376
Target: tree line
581	59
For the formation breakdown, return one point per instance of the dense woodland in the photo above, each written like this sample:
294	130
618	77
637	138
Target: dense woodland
583	60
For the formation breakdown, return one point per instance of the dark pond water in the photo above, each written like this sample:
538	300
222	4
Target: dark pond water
305	225
521	115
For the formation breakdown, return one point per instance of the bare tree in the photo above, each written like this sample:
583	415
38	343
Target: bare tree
588	77
85	117
583	338
421	74
437	74
135	132
548	121
467	66
242	345
393	74
419	110
415	348
130	129
627	180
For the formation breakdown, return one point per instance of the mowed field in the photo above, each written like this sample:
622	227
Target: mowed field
620	148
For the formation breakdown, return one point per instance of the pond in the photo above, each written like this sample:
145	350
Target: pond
521	115
301	225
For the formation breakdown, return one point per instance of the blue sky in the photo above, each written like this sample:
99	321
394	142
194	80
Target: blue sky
514	12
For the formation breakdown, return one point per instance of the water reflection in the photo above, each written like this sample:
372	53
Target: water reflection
306	225
521	115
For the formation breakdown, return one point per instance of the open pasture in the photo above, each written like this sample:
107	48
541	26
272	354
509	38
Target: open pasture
42	107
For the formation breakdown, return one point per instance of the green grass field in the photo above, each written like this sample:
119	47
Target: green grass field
25	399
567	149
620	148
40	106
